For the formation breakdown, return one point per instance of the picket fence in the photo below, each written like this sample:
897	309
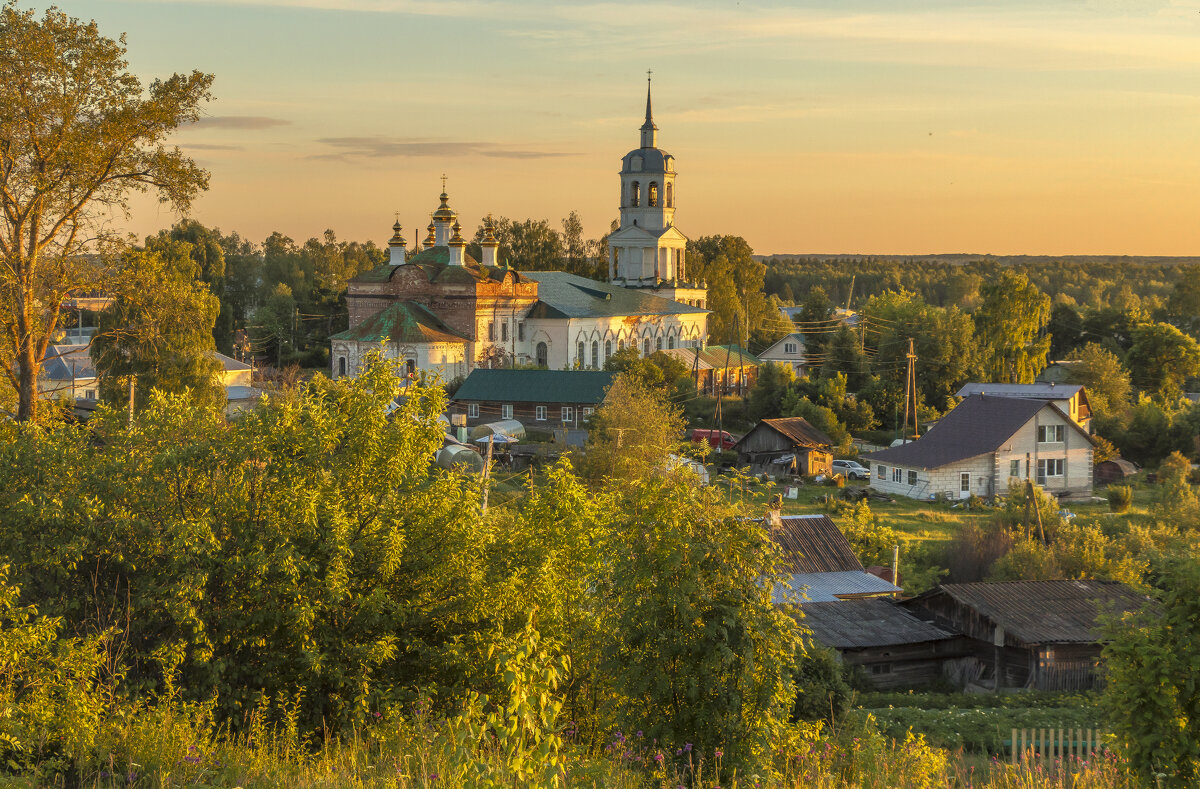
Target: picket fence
1029	744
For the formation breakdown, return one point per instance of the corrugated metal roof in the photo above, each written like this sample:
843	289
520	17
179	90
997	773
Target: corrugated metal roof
1040	391
563	295
827	587
978	425
1044	612
714	357
586	387
228	363
403	321
854	624
814	544
794	428
64	362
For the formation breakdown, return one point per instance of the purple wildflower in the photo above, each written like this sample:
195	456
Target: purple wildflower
658	757
719	754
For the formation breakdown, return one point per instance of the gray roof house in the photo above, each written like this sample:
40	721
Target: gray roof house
1071	399
985	444
822	565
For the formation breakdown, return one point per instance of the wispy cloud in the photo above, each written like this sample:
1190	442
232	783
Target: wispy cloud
452	8
242	122
204	146
347	148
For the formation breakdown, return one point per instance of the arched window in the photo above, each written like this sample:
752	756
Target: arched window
658	344
635	194
542	353
646	347
595	354
579	356
671	341
410	367
620	345
607	349
653	194
670	195
341	366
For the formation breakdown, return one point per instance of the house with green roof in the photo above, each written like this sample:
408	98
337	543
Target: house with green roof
536	398
437	309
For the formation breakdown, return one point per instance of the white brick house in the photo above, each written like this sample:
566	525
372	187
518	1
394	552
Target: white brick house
983	444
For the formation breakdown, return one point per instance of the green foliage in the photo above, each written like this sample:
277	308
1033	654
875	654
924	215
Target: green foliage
824	419
979	729
159	328
822	692
699	654
1176	500
741	312
766	397
1120	497
1151	696
873	542
1161	359
1104	378
632	433
1010	323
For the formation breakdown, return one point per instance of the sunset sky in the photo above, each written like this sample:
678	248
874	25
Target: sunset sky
1046	127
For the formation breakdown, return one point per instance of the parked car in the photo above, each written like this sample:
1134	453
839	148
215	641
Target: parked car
721	439
851	469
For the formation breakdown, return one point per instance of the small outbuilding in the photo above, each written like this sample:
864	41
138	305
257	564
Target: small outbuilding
821	564
894	648
1113	470
1040	635
786	447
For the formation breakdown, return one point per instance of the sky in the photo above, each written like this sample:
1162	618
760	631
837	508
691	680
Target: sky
814	126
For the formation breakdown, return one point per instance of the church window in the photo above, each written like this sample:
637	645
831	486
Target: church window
620	345
635	194
595	354
410	367
658	344
579	355
652	195
491	331
670	195
521	331
671	342
543	355
504	331
607	349
646	347
341	366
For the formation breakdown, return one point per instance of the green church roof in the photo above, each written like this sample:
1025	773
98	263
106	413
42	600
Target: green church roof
404	321
536	386
563	295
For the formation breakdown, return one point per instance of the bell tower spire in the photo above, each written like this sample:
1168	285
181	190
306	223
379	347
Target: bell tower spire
649	130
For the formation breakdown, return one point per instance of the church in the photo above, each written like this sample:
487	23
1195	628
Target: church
442	312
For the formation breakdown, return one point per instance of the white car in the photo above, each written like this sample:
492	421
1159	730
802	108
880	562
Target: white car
851	469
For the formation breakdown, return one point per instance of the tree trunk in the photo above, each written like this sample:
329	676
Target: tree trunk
27	373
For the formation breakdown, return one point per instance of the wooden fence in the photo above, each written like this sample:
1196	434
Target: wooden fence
1028	744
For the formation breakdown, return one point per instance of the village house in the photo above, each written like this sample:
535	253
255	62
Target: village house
728	369
1039	635
538	399
821	564
786	446
1071	399
894	648
788	352
982	446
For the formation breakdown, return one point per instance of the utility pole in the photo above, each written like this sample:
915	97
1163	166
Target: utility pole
132	388
487	473
910	390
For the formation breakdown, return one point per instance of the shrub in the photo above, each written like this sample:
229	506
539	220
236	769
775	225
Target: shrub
822	690
1120	497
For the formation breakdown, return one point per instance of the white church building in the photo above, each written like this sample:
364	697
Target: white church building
442	312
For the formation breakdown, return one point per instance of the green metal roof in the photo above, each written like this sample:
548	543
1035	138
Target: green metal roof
716	354
436	263
563	295
404	321
536	386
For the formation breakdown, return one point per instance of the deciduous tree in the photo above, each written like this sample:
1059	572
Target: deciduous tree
1010	324
78	135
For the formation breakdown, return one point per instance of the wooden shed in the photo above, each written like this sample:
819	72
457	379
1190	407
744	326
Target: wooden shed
1039	635
786	447
895	649
1113	470
820	563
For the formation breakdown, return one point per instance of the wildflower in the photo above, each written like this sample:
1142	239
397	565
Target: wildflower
678	751
433	776
639	734
719	754
687	747
130	777
658	757
378	714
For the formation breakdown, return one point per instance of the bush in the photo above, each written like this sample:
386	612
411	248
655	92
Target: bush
822	690
1120	497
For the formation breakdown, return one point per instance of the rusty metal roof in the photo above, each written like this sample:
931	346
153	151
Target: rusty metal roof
854	624
795	429
814	544
1044	612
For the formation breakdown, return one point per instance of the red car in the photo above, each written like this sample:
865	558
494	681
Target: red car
721	439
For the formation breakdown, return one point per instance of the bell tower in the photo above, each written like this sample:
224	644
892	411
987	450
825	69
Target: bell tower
648	251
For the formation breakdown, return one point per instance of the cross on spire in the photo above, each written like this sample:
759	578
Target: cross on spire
443	182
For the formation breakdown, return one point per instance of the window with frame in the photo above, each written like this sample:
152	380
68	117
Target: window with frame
1014	468
671	342
568	414
646	347
579	354
881	668
881	472
607	349
539	413
658	344
491	331
1051	434
912	478
504	331
964	482
520	331
596	354
897	475
588	412
506	411
472	410
789	347
341	366
1051	467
